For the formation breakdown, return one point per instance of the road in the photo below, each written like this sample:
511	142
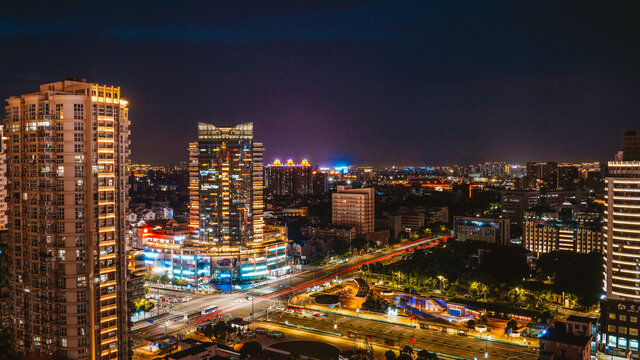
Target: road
434	341
266	294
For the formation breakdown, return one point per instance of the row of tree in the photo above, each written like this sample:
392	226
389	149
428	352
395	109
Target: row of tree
483	271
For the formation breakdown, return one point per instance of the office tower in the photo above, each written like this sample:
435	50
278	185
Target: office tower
354	207
290	179
226	193
225	158
620	308
67	154
562	230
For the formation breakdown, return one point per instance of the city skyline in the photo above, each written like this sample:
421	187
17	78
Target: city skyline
426	83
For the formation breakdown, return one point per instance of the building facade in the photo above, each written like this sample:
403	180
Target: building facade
491	230
67	154
563	230
289	179
3	180
620	308
354	207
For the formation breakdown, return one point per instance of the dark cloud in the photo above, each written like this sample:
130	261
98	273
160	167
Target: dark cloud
375	82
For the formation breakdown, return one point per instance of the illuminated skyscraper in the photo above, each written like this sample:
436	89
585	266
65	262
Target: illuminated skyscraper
67	154
227	204
620	309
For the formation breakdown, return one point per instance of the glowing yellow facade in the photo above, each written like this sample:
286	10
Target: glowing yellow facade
68	146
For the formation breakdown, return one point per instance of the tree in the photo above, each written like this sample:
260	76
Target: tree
222	330
208	331
426	355
390	355
250	349
471	324
407	350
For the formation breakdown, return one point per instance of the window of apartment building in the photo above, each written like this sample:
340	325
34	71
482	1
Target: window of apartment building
633	319
611	328
622	330
62	308
59	213
78	111
59	111
82	331
80	241
78	125
78	137
79	212
633	331
63	342
79	199
59	199
82	308
622	317
79	185
79	171
79	227
82	319
60	227
60	171
79	148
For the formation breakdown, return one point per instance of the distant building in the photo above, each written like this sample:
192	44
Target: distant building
338	233
413	219
354	207
493	169
563	229
542	175
514	203
491	230
569	341
568	177
288	179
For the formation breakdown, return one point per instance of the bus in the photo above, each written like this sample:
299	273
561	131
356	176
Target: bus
193	315
210	310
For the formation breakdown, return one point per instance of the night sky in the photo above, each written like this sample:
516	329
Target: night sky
379	83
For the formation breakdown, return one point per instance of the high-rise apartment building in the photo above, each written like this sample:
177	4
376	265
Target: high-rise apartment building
354	207
542	175
3	180
289	179
227	203
67	156
620	309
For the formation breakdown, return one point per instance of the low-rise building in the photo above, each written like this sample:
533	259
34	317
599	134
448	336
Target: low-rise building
491	230
572	340
563	229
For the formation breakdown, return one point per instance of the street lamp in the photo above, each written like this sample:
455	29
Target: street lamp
441	281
